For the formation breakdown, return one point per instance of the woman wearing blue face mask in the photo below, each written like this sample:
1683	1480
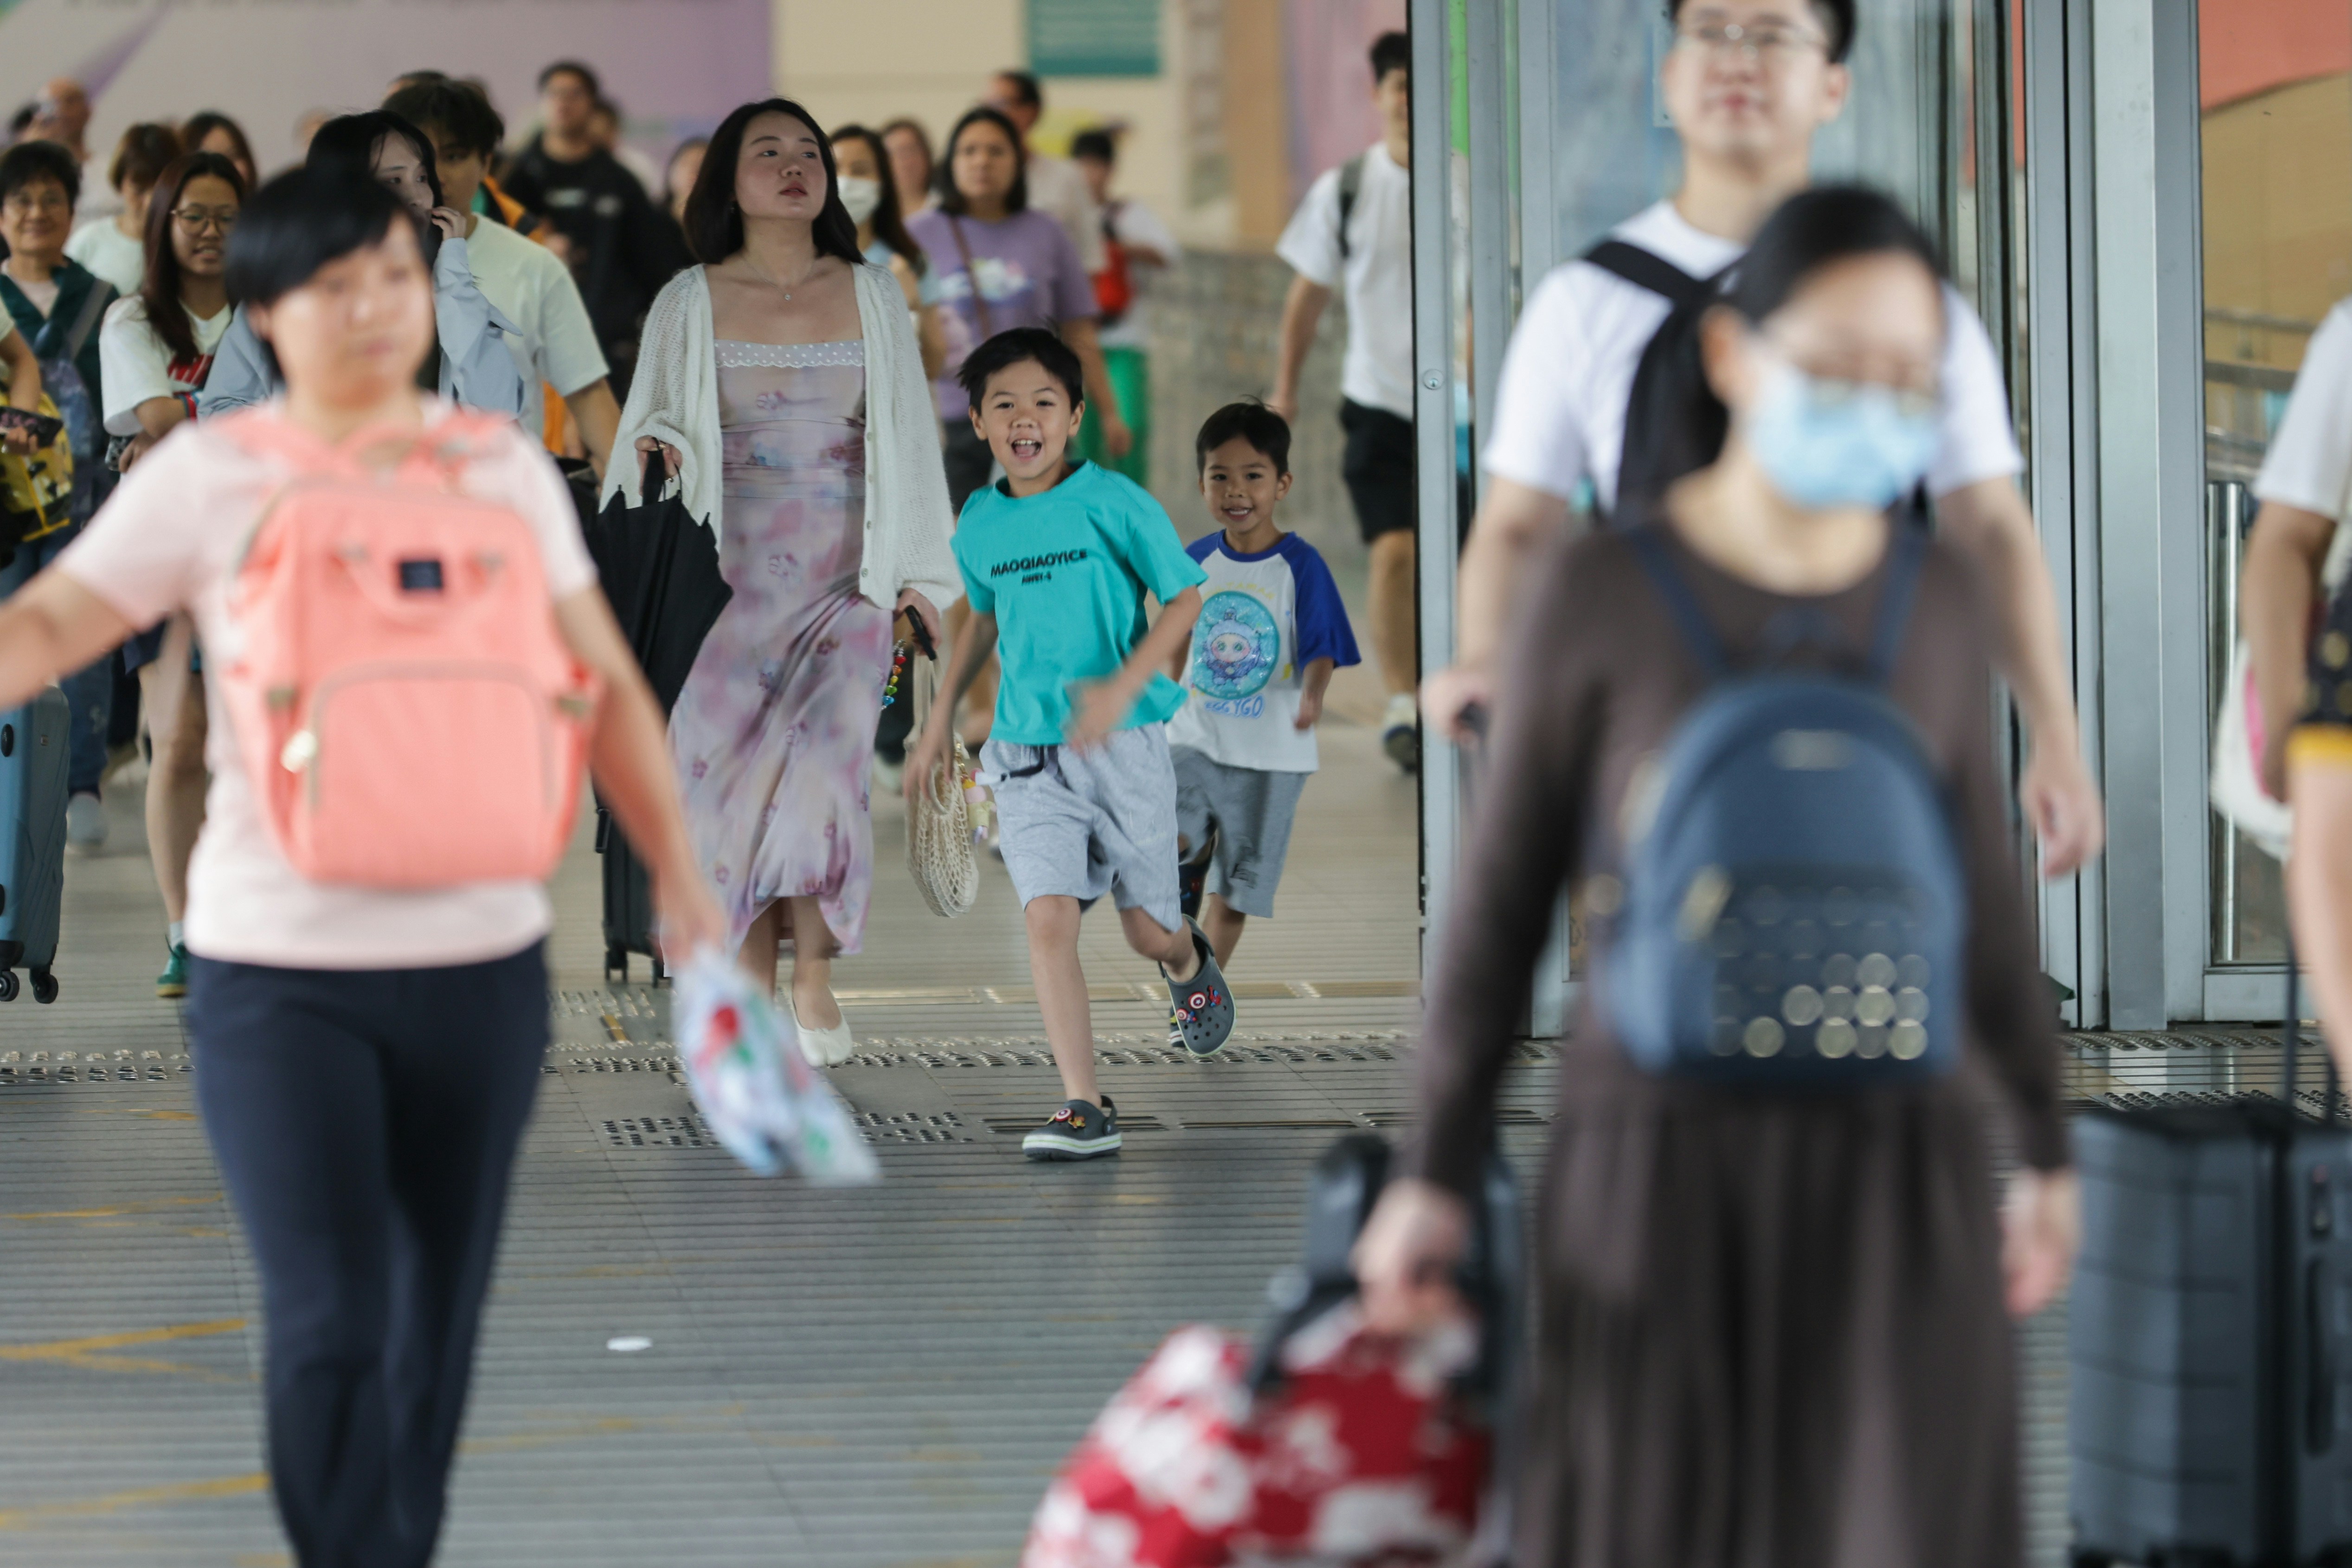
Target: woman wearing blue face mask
1772	1325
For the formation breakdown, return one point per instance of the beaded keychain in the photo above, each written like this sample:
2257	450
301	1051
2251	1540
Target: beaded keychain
904	653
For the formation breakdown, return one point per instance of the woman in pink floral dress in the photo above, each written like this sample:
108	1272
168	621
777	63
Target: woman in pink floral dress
785	386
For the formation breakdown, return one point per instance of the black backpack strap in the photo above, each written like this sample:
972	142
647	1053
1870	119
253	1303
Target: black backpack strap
1907	548
1351	185
93	306
1647	269
1657	559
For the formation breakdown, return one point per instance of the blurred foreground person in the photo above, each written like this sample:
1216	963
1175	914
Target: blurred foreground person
368	1057
1772	1328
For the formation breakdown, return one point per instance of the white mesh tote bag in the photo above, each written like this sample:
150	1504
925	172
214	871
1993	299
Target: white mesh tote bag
940	847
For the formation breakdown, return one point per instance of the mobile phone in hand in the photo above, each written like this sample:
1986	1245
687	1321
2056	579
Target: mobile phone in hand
45	428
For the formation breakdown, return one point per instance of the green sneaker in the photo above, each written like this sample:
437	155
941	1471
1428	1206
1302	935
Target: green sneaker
174	981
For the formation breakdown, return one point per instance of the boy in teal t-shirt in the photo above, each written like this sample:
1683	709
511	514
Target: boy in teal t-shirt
1056	559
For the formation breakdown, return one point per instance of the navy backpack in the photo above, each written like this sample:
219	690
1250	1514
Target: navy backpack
1794	909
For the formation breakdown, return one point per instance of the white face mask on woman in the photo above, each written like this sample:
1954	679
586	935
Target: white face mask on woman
860	196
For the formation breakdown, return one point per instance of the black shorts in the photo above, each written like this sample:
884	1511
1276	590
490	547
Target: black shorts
1379	468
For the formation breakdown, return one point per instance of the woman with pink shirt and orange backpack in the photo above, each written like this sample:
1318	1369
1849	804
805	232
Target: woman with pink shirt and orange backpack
411	660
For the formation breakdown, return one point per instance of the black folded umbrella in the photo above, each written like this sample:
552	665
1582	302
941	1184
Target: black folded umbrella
659	568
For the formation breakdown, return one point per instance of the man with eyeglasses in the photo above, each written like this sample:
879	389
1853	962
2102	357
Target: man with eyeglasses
1748	85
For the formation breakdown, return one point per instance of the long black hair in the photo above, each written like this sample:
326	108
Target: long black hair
951	200
714	221
889	223
300	221
347	144
159	289
1674	423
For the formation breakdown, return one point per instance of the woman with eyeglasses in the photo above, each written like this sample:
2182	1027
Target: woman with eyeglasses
155	352
1774	1316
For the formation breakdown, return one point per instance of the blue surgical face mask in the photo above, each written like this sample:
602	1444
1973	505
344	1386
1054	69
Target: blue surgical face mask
1828	444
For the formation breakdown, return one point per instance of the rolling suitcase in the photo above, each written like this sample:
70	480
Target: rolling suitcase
2210	1334
628	902
33	741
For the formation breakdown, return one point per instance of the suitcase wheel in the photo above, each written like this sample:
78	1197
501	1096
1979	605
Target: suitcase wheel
616	964
7	985
661	971
44	987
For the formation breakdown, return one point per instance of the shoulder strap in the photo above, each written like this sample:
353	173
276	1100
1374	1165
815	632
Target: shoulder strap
1906	547
971	275
1647	269
1351	185
93	306
1650	548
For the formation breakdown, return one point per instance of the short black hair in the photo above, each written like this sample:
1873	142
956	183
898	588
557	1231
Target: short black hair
1098	144
943	183
1391	51
452	108
587	78
1248	420
1025	87
28	162
299	222
1011	348
141	155
1837	16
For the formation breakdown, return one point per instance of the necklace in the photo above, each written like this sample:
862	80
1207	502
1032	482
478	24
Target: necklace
779	284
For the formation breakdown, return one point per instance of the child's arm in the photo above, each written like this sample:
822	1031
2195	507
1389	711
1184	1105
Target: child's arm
964	665
1098	707
1310	693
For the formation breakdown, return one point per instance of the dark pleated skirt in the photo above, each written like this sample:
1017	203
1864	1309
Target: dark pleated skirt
1771	1333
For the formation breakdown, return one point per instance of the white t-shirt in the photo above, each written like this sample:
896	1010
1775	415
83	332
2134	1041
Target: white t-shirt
1136	224
169	539
1263	619
1378	370
534	291
1057	187
136	366
113	255
98	199
1560	405
2309	465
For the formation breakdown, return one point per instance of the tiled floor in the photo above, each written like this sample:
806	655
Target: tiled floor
877	1377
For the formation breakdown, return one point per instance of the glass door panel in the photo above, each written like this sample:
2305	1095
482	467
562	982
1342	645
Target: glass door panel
2274	97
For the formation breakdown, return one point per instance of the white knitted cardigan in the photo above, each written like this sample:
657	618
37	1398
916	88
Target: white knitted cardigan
674	397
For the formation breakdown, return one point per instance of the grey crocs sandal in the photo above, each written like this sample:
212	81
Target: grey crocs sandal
1201	1010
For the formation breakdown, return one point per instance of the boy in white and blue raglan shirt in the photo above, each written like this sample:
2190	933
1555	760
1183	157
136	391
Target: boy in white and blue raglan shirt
1270	631
1056	559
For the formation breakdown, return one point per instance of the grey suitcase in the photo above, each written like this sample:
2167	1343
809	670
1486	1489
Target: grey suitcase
2211	1335
33	741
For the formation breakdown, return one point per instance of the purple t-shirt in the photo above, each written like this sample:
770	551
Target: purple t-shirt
1029	275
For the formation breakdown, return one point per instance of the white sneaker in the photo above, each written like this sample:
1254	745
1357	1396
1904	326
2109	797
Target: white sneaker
824	1047
1400	732
85	824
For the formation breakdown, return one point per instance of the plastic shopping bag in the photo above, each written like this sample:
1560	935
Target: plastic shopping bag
771	1109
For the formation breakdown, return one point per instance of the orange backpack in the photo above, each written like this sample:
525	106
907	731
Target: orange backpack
406	709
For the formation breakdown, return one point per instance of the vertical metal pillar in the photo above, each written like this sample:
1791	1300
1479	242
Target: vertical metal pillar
1433	368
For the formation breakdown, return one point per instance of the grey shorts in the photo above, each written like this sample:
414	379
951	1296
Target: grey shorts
1252	809
1083	824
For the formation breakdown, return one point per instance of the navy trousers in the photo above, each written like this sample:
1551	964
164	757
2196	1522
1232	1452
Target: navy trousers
366	1124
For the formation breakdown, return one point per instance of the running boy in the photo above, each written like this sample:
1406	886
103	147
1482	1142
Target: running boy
1056	558
1269	636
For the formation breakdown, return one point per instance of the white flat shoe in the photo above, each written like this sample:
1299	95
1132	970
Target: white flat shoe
824	1047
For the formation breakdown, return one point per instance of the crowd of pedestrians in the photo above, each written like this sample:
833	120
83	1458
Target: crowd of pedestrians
905	386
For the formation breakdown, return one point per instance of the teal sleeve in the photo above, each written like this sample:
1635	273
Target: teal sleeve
976	591
1154	553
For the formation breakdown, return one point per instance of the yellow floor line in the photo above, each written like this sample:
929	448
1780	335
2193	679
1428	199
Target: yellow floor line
137	1497
91	1354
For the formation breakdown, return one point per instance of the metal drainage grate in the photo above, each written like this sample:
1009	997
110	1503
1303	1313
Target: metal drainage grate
664	1065
22	1069
1507	1115
687	1131
913	1127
